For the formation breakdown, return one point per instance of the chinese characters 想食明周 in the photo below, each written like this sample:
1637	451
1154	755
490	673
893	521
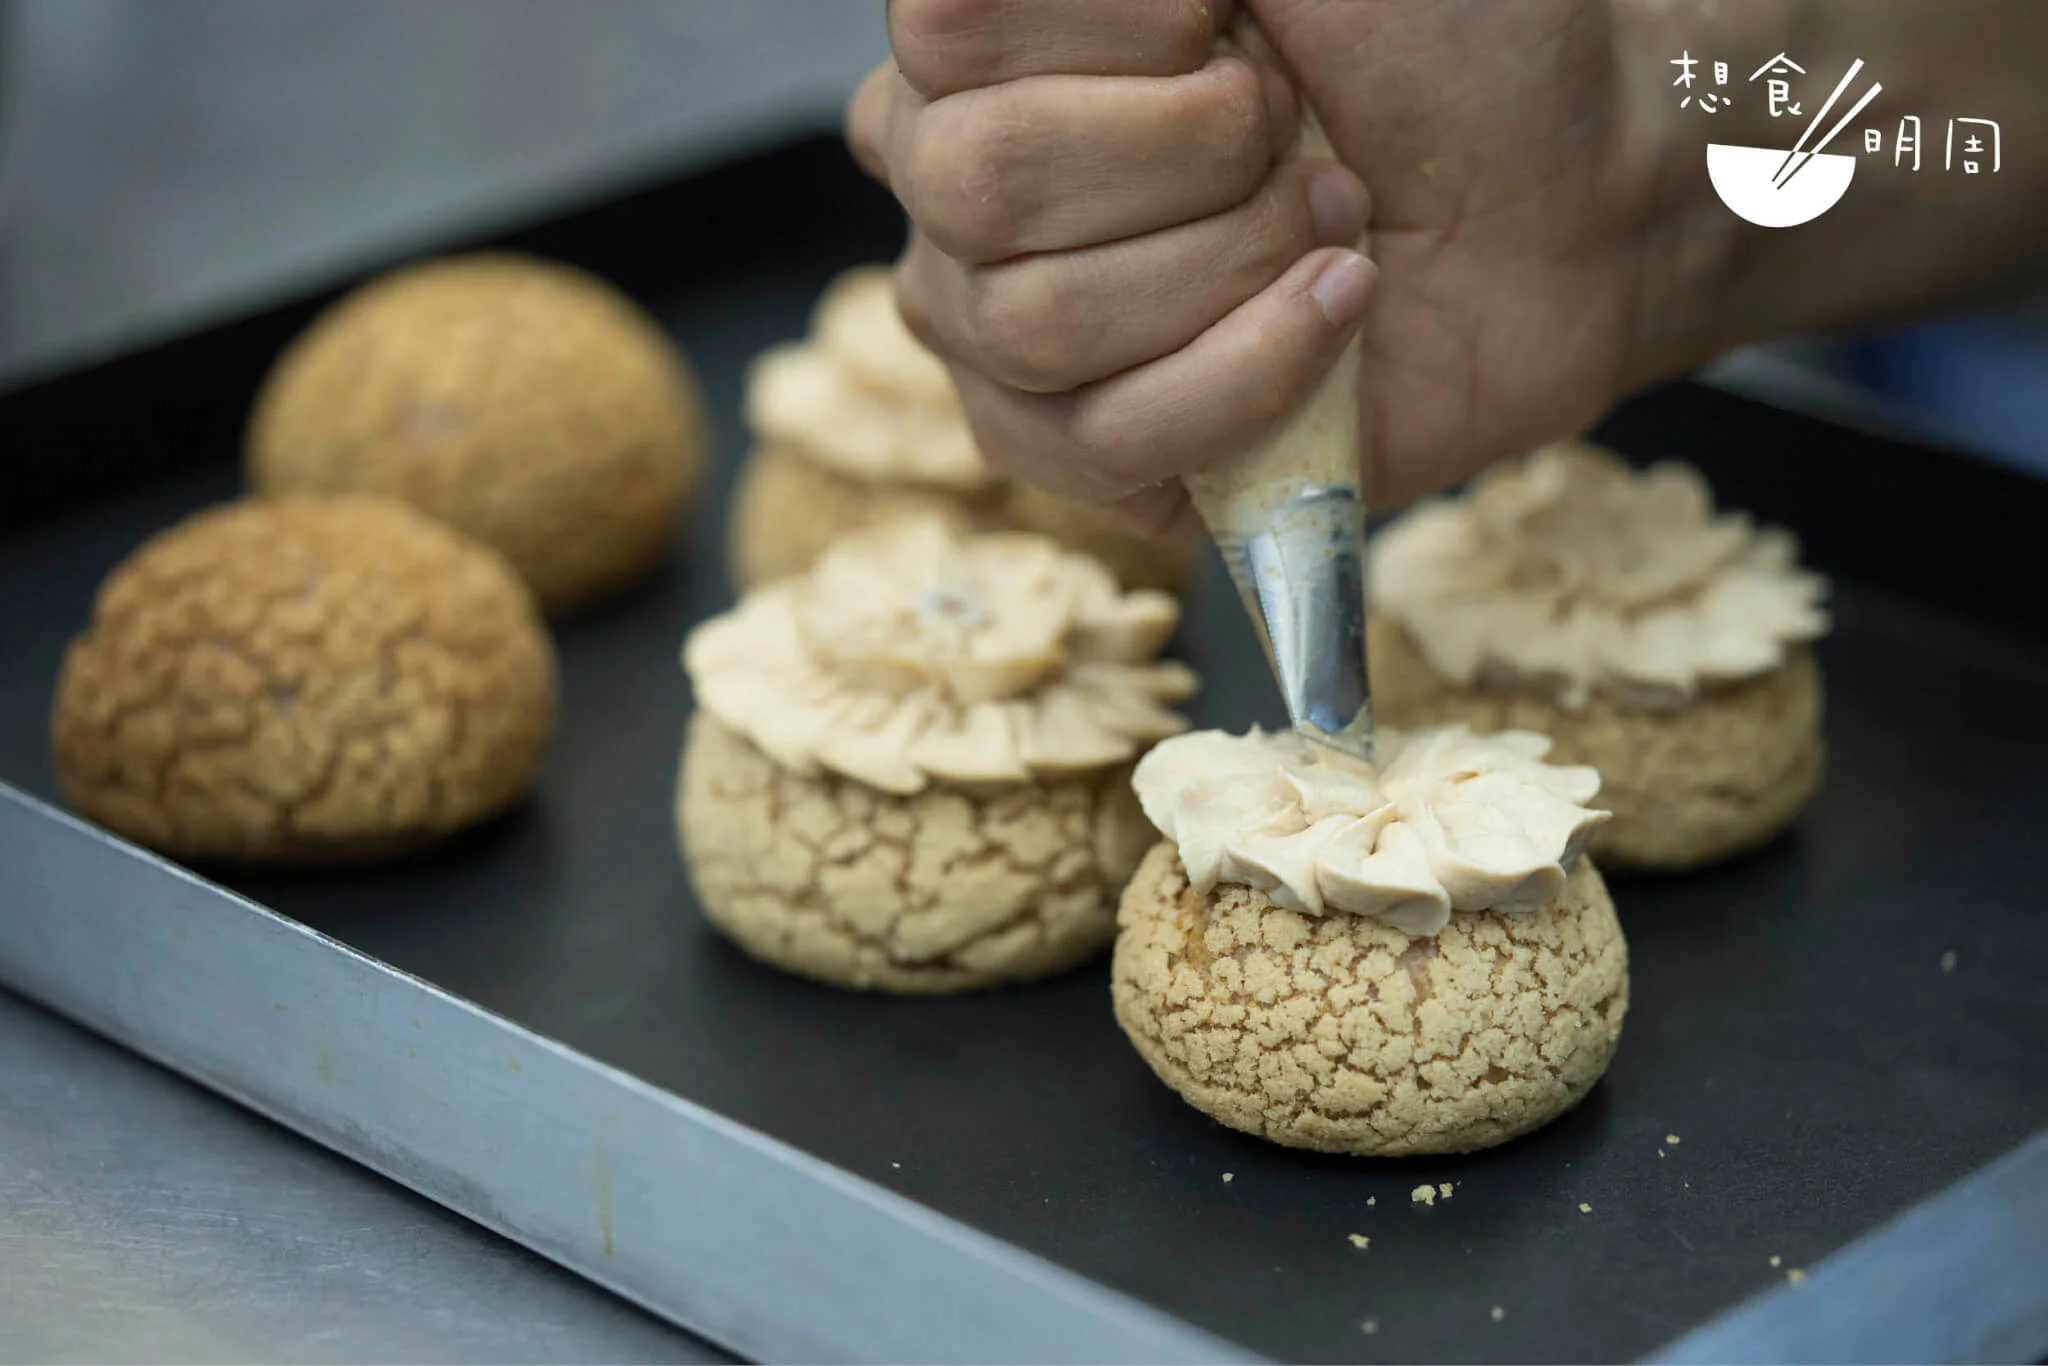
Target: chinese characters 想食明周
1972	145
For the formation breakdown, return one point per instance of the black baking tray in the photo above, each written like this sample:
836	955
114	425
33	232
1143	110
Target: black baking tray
1802	1060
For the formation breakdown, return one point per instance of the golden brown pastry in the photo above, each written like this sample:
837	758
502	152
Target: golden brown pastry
909	767
527	404
304	681
1408	959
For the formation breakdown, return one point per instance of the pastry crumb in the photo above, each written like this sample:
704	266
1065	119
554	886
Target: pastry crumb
1776	1260
897	1165
1423	1195
1360	1241
1371	1200
1948	960
1444	1190
1499	1313
1369	1326
1796	1276
1229	1177
1672	1139
1585	1208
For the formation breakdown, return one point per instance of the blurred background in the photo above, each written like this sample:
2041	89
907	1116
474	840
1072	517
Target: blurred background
165	162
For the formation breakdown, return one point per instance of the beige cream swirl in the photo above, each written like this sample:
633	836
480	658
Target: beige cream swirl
1570	572
862	397
914	654
1448	821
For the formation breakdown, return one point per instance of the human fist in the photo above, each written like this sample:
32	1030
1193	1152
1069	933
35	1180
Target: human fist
1130	279
1125	271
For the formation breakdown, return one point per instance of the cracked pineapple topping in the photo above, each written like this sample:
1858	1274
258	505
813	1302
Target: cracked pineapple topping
1571	572
864	398
1448	821
304	680
914	654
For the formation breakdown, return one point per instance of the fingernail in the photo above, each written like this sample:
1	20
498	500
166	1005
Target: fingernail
1341	289
1279	108
1337	204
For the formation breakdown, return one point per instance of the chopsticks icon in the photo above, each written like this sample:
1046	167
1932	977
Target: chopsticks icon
1783	177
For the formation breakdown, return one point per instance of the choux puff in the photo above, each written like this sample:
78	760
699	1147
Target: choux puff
859	424
1409	958
909	769
1614	610
304	681
527	404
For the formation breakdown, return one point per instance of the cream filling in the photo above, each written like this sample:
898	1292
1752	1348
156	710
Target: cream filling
863	398
913	654
1569	572
1447	821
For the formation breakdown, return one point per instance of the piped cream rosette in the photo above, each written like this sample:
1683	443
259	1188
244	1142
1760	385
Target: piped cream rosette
1447	821
863	398
1571	572
914	654
858	425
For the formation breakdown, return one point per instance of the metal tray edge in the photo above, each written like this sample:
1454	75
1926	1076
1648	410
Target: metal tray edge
1961	1276
736	1236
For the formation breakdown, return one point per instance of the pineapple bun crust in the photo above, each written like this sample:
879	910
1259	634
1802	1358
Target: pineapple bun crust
527	404
1343	1034
946	890
1687	787
303	681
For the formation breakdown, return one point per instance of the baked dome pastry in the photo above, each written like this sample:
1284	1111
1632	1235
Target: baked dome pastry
859	425
304	681
909	768
1409	959
1616	611
525	403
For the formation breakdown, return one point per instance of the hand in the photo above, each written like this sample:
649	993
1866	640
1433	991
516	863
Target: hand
1129	282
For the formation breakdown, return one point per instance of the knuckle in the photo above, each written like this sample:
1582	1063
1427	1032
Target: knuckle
961	192
943	46
1025	324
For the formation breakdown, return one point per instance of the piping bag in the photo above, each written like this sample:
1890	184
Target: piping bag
1288	516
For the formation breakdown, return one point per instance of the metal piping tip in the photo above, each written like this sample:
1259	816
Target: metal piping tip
1302	578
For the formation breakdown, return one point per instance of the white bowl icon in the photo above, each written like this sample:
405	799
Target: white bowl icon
1743	177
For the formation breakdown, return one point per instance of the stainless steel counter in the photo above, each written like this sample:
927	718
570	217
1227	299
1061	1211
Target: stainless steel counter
142	1218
